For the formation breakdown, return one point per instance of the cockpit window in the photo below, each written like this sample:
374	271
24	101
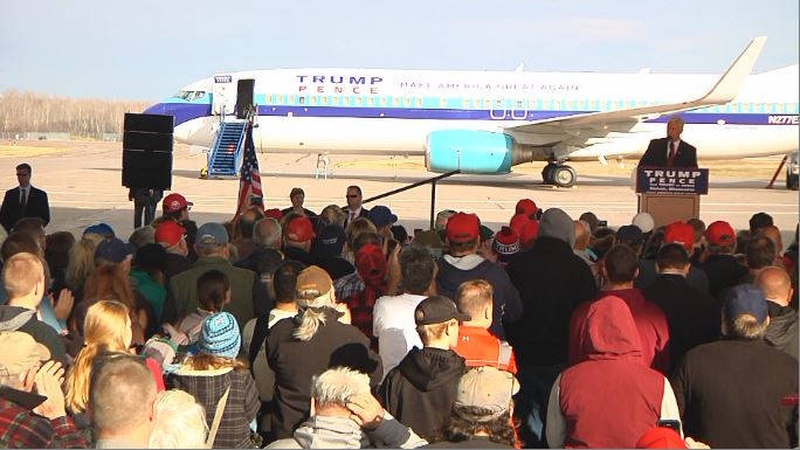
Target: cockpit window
190	95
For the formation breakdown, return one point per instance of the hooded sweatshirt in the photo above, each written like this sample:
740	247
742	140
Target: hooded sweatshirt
421	390
17	318
455	270
610	399
651	323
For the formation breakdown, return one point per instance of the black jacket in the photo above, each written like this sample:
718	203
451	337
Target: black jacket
421	390
11	210
782	331
657	151
723	272
733	394
693	316
552	281
648	274
295	362
507	303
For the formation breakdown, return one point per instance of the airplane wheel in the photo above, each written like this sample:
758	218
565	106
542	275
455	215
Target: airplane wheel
564	176
548	173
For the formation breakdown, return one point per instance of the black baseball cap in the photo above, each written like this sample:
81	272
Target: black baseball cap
438	309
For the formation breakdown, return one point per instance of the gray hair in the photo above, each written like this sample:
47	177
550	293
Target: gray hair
180	421
336	386
122	392
311	319
142	236
267	233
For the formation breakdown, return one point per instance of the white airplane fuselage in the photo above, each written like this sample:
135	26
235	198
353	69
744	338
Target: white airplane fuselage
363	111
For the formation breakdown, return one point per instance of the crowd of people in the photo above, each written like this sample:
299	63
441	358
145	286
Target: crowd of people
290	329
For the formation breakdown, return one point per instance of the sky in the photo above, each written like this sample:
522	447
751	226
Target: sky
148	49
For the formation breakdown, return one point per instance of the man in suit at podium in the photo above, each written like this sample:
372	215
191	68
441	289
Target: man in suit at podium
670	151
24	201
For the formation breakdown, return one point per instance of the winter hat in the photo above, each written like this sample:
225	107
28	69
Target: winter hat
220	335
555	223
506	243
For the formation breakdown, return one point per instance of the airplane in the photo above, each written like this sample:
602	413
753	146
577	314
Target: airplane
486	122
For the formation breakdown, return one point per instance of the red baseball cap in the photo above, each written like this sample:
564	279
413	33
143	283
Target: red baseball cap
463	227
174	203
371	263
526	228
721	233
526	207
300	229
680	233
661	437
169	232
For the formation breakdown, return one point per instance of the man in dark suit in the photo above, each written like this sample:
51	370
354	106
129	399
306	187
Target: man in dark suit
354	208
24	201
670	151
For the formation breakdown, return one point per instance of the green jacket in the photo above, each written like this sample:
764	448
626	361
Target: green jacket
248	296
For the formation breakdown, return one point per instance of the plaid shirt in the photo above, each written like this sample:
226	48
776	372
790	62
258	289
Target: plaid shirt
348	285
20	427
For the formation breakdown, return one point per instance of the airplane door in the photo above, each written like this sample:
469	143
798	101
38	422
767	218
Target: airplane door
223	100
244	97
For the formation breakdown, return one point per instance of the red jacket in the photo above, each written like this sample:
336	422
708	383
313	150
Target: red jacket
481	348
650	320
610	399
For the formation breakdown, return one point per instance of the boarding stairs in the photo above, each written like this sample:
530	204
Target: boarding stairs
225	156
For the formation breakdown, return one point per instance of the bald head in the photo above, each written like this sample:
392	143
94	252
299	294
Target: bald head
775	283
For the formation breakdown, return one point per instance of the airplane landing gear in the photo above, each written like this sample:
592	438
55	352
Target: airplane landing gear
559	174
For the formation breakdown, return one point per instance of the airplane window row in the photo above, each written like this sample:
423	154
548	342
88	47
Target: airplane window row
511	104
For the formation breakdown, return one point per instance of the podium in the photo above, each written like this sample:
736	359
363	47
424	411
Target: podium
670	193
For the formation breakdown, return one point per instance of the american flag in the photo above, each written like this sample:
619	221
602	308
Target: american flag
249	178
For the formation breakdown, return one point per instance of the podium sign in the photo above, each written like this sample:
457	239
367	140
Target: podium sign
671	180
670	193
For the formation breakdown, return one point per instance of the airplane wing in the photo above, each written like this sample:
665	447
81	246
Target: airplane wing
577	129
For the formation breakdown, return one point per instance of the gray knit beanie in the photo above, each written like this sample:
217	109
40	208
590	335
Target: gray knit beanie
555	223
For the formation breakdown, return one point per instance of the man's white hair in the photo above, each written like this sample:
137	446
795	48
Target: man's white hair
180	421
336	386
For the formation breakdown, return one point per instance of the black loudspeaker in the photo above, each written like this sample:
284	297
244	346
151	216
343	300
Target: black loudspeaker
147	151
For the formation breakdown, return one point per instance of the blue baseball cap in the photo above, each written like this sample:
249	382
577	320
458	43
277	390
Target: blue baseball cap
113	250
746	299
382	216
103	229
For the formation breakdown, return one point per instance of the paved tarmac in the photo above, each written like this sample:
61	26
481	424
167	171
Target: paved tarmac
84	187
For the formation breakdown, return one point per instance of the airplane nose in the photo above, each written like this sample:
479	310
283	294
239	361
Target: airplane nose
158	108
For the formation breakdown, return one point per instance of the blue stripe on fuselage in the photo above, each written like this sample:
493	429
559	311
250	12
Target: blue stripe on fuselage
183	112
